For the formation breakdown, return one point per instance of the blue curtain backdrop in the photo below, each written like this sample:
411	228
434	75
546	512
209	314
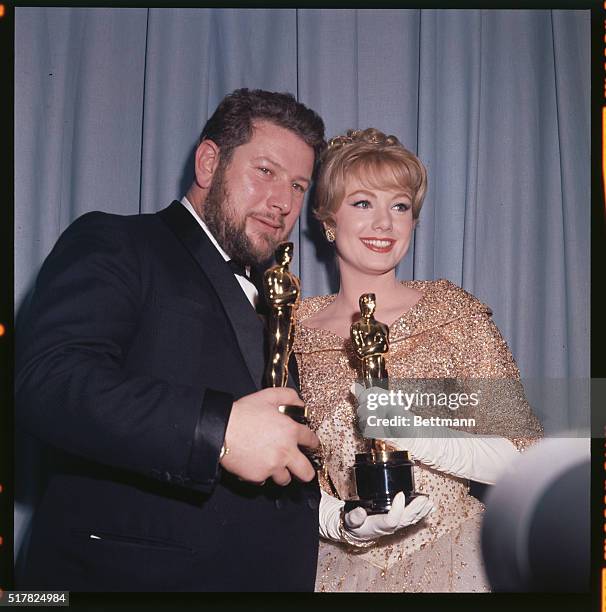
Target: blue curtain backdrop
109	104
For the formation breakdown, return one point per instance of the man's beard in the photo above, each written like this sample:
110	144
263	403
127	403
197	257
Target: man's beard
220	216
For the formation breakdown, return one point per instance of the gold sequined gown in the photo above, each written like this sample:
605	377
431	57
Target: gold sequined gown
448	334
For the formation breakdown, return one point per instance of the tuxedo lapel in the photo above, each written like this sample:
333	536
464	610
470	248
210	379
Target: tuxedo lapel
293	373
256	277
247	326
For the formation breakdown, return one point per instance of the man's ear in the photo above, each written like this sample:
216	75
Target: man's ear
207	162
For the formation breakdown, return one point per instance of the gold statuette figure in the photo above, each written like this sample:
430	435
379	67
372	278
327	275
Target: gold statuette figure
283	293
370	339
383	472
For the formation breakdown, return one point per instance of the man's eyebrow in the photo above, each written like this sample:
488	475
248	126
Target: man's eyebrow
273	162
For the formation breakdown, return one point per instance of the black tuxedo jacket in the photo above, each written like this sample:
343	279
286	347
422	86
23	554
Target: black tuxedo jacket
136	343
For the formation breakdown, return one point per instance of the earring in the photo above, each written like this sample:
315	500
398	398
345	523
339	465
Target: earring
330	234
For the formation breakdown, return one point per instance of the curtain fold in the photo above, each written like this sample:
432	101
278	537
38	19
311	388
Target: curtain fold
194	57
358	69
78	113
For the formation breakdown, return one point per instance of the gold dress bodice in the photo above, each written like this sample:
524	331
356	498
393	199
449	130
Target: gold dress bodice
448	335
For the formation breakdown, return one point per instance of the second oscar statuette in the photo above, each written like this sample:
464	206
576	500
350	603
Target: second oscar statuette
381	473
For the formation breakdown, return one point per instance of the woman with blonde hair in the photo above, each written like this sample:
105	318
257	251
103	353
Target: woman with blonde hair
368	198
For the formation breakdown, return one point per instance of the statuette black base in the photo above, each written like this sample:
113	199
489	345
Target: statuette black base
380	476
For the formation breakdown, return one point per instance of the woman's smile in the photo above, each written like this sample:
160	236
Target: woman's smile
379	245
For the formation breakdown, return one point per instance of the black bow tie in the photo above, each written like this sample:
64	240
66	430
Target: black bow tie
238	268
255	277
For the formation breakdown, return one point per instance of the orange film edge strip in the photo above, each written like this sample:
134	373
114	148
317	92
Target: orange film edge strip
604	153
603	606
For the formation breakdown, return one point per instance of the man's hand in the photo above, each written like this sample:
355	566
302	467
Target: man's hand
263	443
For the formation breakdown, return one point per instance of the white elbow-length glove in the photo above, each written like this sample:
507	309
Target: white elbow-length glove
359	529
476	457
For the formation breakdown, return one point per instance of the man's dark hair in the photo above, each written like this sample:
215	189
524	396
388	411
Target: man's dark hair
231	125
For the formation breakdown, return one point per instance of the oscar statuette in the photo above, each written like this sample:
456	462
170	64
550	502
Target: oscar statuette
283	294
382	472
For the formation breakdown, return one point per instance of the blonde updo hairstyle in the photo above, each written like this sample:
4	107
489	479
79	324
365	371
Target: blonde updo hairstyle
377	161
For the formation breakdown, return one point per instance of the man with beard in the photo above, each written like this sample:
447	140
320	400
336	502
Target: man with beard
140	365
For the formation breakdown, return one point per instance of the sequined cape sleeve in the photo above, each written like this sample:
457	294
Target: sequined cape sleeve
448	336
484	364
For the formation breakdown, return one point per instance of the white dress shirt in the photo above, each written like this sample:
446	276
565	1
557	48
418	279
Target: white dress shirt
247	286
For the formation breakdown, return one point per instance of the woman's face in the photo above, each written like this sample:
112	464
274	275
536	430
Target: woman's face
373	227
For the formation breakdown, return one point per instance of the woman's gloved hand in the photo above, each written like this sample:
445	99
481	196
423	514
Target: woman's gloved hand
359	529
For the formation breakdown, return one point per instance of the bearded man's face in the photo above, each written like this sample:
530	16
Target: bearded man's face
255	198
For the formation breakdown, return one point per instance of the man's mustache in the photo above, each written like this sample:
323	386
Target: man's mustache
278	222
